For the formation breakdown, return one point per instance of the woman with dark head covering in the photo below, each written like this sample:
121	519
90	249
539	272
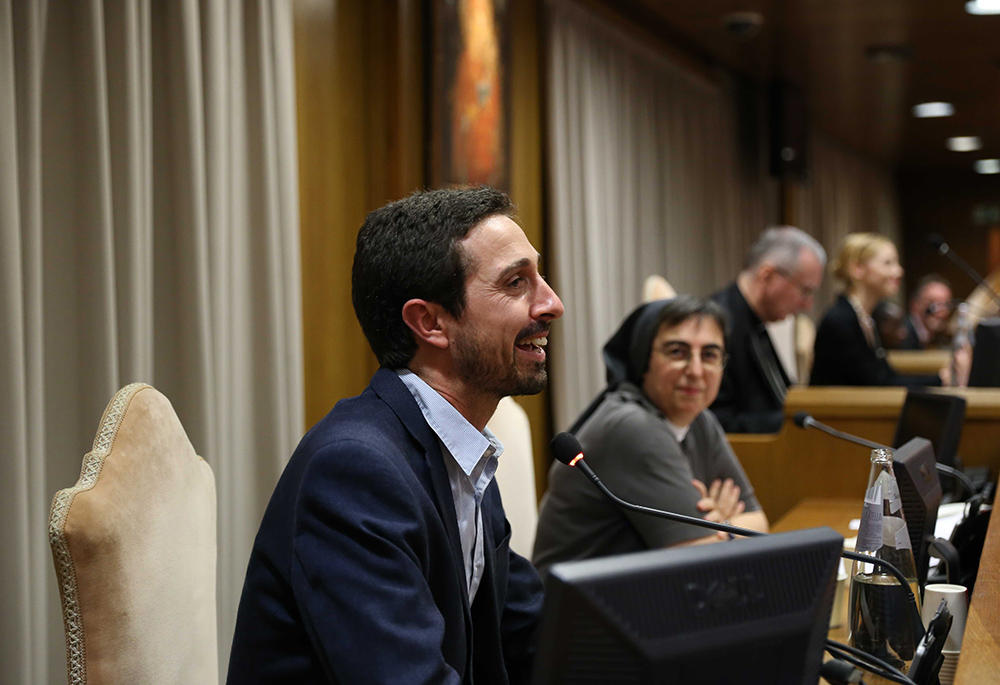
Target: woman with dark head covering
652	440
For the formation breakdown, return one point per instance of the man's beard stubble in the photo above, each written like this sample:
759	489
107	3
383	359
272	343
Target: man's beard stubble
473	368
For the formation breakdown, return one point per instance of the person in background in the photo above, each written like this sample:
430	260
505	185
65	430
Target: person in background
383	554
780	276
653	441
891	324
930	309
849	349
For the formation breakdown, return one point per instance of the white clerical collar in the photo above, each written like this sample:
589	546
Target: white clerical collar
679	432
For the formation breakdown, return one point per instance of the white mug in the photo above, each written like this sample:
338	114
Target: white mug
956	598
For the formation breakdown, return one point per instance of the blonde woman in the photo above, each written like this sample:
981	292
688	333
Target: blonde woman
848	349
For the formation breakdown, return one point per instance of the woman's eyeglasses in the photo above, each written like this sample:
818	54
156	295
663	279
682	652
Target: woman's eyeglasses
679	354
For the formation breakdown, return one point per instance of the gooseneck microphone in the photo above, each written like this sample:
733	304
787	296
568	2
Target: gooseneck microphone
804	420
938	243
568	450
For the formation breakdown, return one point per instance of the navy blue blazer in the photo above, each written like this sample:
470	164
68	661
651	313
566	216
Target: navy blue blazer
356	575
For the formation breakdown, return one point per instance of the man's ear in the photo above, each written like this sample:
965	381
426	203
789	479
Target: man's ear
425	319
765	271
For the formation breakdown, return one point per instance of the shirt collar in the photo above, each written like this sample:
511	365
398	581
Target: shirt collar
679	432
466	444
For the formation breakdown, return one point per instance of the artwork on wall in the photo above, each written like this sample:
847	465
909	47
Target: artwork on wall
469	94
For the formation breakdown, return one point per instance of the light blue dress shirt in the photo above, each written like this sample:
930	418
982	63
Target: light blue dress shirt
471	459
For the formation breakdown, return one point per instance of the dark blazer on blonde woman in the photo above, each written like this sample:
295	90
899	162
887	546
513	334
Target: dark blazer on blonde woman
844	357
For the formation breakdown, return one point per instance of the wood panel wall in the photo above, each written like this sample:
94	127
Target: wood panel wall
361	127
943	202
333	187
527	184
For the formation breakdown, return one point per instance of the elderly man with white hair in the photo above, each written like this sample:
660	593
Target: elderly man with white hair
780	276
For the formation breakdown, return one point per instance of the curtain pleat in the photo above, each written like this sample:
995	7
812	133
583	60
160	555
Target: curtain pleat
645	180
15	487
846	193
148	231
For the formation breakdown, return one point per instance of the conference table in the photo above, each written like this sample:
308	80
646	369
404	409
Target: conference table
979	662
795	463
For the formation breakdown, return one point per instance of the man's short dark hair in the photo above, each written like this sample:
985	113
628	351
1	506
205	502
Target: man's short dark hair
410	249
926	281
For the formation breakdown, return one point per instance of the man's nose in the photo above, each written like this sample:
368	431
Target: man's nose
548	306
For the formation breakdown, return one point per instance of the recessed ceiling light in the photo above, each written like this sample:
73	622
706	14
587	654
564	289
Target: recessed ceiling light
964	143
927	110
983	7
987	166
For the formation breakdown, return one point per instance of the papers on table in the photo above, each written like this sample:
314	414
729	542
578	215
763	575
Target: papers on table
949	516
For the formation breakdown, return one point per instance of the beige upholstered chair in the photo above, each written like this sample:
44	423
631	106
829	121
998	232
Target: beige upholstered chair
656	287
134	548
516	474
805	340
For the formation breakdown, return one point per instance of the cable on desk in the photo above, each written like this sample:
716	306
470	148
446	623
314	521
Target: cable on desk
870	663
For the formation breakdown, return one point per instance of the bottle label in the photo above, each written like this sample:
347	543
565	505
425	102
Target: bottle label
870	531
896	533
892	494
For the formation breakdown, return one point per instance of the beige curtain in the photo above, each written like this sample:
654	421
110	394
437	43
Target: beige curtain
646	178
148	231
846	192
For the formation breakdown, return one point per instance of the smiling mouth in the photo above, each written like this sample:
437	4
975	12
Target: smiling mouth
532	344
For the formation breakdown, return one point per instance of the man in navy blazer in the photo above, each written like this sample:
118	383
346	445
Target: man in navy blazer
383	555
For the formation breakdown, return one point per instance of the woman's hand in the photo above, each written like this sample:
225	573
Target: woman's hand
720	502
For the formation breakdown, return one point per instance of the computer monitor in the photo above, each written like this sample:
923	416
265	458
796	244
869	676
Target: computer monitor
935	416
985	371
750	611
920	492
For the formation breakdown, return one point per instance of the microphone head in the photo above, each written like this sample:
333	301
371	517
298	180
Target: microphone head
566	448
801	418
937	242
